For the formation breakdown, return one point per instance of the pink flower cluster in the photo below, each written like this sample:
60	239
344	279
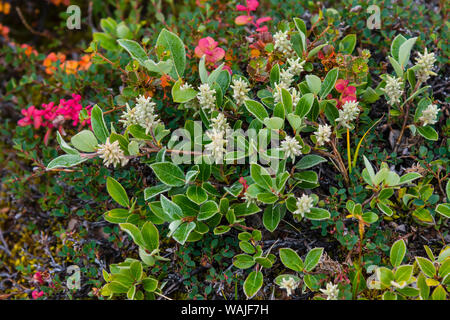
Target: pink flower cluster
348	93
37	294
38	278
54	115
252	5
208	47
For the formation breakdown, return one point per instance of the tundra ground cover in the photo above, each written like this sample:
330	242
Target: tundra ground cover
235	149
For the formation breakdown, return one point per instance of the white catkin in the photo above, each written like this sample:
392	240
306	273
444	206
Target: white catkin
240	91
291	147
348	113
429	115
207	97
112	154
304	205
323	134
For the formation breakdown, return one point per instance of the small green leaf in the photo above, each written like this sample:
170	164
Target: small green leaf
397	253
151	192
117	192
443	209
117	215
98	124
403	273
369	169
65	146
134	49
271	218
386	276
313	258
169	174
149	284
428	133
426	266
347	44
385	209
169	42
267	197
274	75
314	83
207	210
253	283
291	259
171	209
261	176
66	161
329	82
182	95
182	232
274	123
150	235
395	45
370	217
304	105
256	109
439	293
309	161
197	194
134	232
247	247
317	214
286	99
405	51
409	177
243	261
85	141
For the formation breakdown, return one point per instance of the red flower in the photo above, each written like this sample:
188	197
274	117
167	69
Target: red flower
54	115
32	116
208	47
348	93
38	278
37	294
244	184
246	19
340	85
251	6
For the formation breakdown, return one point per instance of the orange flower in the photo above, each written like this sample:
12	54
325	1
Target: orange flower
51	59
5	7
165	81
254	53
85	62
70	66
29	50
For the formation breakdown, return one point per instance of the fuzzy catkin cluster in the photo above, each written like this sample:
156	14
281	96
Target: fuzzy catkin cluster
142	114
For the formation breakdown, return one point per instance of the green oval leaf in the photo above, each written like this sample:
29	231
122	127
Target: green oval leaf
313	258
291	259
169	174
398	251
117	192
85	141
253	283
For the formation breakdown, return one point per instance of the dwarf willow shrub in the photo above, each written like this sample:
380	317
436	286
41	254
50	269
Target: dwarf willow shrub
250	148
